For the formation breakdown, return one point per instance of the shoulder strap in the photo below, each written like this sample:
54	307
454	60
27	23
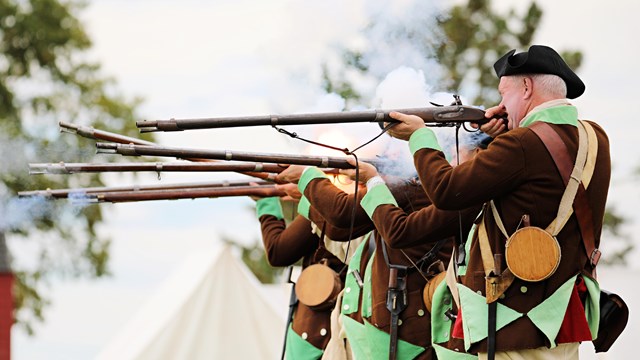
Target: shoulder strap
560	154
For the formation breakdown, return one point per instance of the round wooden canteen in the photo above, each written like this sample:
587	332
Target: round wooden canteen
318	286
532	254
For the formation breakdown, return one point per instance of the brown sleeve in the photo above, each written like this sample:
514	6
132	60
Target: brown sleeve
334	232
336	206
492	173
286	245
427	225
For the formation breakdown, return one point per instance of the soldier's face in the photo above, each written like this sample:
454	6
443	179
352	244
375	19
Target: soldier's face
513	99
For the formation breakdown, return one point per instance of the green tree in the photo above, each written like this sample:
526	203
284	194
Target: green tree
46	76
475	35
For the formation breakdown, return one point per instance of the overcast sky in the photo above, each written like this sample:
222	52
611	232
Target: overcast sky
249	57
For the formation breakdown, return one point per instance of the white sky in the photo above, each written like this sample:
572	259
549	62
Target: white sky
201	59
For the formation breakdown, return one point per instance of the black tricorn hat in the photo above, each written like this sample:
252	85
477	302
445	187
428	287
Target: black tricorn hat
540	60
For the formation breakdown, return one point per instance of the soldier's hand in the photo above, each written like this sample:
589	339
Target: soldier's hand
495	126
408	124
255	197
365	171
293	194
290	175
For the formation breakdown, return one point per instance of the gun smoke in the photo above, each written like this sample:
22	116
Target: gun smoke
20	213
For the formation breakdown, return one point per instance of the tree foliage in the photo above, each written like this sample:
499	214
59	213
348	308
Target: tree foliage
46	76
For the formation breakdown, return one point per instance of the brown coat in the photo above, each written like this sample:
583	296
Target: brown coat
284	246
336	206
518	173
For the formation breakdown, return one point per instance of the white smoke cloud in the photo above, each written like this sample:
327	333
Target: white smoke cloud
401	33
19	213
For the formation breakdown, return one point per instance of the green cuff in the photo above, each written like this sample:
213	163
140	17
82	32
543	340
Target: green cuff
308	175
423	138
269	206
303	207
376	196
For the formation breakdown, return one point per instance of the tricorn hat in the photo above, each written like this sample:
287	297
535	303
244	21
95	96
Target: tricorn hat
540	60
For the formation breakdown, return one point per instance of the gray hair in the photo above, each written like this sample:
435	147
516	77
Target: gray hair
548	84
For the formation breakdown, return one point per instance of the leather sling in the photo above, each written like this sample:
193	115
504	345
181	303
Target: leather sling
560	154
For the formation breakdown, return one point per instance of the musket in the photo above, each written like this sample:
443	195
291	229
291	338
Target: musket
142	150
79	192
193	193
96	134
73	168
432	116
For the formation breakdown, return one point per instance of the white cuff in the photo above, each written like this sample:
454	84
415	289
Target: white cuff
374	181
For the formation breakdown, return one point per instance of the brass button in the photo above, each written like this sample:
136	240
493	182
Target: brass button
523	289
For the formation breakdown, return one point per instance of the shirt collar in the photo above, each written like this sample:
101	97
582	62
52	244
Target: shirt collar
559	111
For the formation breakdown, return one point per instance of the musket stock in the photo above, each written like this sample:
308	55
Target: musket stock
432	116
141	150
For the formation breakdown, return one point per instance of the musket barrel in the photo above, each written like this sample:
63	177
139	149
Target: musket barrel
92	133
268	120
80	192
432	116
137	150
117	197
72	168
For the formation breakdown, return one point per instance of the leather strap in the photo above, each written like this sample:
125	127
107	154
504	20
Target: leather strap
497	281
582	171
575	179
560	154
451	278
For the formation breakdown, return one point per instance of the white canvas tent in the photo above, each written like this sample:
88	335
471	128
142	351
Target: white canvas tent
212	308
